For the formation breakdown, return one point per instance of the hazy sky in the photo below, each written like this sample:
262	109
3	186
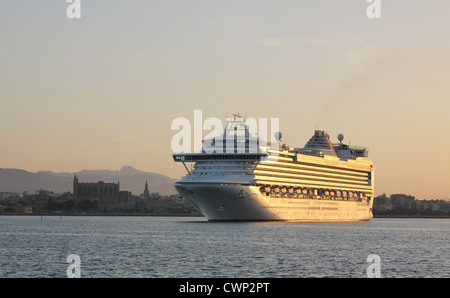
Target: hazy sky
101	92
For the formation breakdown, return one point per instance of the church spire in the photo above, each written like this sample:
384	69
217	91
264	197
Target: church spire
75	187
146	192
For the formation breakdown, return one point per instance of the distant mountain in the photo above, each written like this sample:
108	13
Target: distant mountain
15	180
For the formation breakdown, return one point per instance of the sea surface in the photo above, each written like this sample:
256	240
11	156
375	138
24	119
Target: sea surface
175	247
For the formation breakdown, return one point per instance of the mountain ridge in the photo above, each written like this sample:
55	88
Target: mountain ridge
131	179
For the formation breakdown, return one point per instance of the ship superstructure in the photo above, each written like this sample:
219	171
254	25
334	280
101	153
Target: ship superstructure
235	177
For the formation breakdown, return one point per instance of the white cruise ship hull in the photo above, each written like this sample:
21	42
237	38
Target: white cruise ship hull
234	202
234	178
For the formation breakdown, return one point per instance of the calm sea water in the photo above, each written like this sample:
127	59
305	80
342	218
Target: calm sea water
192	247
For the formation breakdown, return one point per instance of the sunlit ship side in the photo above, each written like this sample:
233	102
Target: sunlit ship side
319	182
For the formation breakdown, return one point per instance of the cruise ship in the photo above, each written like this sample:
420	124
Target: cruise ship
238	178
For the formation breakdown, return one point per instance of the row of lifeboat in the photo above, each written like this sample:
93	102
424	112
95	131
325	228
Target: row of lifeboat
268	190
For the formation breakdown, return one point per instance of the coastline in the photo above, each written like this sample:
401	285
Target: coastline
409	216
192	215
104	214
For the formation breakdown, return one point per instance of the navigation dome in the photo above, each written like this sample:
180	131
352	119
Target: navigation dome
340	137
278	135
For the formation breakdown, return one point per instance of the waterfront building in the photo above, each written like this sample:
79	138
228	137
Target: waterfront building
100	190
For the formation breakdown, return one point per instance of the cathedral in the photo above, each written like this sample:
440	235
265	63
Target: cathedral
99	190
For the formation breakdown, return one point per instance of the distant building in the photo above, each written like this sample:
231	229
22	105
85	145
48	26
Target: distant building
395	201
125	195
99	190
402	201
16	209
23	209
382	203
146	192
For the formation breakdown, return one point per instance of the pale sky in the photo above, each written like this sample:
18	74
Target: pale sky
101	92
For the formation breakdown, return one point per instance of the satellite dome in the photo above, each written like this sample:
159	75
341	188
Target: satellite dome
278	135
340	137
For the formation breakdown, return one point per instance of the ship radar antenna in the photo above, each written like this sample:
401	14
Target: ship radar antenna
340	137
278	135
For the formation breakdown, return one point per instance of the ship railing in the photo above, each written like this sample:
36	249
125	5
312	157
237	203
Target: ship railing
195	157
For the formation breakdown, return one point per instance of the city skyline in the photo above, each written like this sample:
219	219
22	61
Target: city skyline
101	92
